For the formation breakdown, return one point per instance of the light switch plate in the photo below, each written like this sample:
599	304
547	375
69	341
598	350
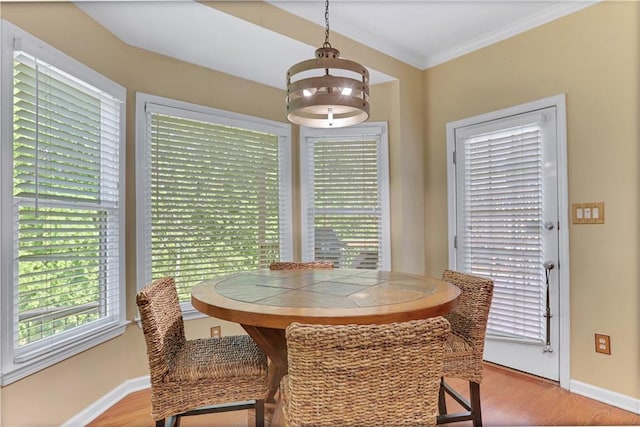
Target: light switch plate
587	213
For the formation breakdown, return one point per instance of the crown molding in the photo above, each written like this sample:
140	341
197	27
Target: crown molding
500	34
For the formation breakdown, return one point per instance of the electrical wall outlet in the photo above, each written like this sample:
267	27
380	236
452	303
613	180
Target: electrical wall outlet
603	344
216	332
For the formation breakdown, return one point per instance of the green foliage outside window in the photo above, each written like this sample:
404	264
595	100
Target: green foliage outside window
59	193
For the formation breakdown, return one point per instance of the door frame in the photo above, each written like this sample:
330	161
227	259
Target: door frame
559	102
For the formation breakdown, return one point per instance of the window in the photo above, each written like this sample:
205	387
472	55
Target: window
62	206
214	193
345	196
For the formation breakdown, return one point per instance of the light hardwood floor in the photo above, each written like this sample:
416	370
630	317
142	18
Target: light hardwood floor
508	399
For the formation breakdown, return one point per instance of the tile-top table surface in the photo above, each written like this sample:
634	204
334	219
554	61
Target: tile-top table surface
275	298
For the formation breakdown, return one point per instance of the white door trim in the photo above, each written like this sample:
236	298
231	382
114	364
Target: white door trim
559	102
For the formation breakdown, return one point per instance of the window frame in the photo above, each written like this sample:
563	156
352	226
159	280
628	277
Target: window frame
87	336
195	111
377	130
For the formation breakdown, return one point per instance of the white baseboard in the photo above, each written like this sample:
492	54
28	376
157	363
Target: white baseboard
92	411
609	397
101	405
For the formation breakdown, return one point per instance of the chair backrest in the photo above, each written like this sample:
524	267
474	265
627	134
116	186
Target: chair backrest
358	375
313	265
162	325
469	318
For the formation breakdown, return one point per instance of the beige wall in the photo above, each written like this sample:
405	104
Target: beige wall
65	389
593	57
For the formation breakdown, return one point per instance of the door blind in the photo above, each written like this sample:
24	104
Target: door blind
214	199
501	225
66	169
344	217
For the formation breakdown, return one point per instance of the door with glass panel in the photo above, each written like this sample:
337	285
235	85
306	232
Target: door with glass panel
505	199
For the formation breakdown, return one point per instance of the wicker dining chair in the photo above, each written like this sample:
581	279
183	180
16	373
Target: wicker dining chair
312	265
465	345
363	375
188	376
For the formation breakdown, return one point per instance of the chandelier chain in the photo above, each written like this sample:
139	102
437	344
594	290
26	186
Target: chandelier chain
326	21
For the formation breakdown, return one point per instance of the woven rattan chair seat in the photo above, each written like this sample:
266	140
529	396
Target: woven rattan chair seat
465	345
192	377
218	358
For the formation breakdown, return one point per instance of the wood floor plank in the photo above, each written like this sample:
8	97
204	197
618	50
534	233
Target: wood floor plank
508	399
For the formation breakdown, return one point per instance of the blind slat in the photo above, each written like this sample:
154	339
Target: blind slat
214	201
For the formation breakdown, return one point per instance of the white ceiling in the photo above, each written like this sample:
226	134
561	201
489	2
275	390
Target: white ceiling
422	33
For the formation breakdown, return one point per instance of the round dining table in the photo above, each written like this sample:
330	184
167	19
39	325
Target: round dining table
265	302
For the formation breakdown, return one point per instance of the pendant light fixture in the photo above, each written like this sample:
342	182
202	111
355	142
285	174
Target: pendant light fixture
327	91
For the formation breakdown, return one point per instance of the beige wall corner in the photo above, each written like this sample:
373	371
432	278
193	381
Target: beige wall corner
408	179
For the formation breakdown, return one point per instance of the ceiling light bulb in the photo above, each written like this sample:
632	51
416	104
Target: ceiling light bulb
346	91
306	92
330	116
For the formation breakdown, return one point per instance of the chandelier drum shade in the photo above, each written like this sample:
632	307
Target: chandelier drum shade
327	91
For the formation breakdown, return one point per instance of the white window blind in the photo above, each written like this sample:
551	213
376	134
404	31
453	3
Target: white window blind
345	198
215	200
501	220
67	209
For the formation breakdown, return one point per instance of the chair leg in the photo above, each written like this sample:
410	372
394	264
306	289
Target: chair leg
259	413
471	407
442	404
476	410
